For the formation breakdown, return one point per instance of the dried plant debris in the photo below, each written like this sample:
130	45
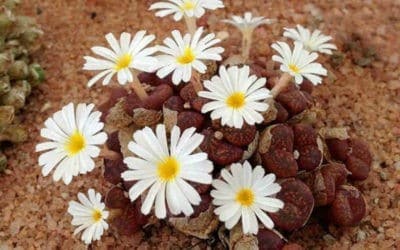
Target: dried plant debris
18	72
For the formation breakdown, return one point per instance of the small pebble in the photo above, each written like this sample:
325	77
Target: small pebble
361	235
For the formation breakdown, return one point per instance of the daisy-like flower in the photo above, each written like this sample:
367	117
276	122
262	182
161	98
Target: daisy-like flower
248	23
73	138
165	170
314	41
89	215
181	8
236	96
298	63
184	53
125	56
246	194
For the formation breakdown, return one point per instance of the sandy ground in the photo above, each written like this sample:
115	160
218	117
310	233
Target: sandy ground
33	208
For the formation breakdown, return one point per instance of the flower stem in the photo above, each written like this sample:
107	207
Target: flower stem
196	82
137	87
281	85
246	44
191	24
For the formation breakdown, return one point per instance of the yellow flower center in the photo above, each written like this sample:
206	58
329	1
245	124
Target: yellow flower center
168	169
245	197
187	5
75	143
236	100
294	68
97	215
123	62
187	57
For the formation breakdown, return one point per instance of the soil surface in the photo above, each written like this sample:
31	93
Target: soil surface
362	92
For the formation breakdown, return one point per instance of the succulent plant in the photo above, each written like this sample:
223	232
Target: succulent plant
18	72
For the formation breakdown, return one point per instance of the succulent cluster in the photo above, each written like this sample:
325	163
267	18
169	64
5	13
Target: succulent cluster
314	169
200	138
18	73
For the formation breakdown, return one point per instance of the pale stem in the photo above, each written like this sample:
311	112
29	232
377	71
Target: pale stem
137	87
196	81
191	24
246	44
281	85
108	154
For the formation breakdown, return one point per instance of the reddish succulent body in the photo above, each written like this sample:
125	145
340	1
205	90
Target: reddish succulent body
269	240
349	207
299	203
354	153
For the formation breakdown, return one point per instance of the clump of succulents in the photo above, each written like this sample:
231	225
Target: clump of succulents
18	72
204	141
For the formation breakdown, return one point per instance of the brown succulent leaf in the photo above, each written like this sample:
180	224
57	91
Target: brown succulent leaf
338	149
292	246
304	135
188	119
112	142
239	137
358	168
310	157
337	171
153	80
360	150
218	151
131	220
113	170
269	240
282	114
299	203
322	187
349	207
279	136
116	199
174	103
293	101
198	103
307	86
280	162
188	93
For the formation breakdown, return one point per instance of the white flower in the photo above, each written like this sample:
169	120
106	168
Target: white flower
73	136
123	57
189	8
183	54
165	170
236	97
299	63
312	42
89	215
245	193
248	22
